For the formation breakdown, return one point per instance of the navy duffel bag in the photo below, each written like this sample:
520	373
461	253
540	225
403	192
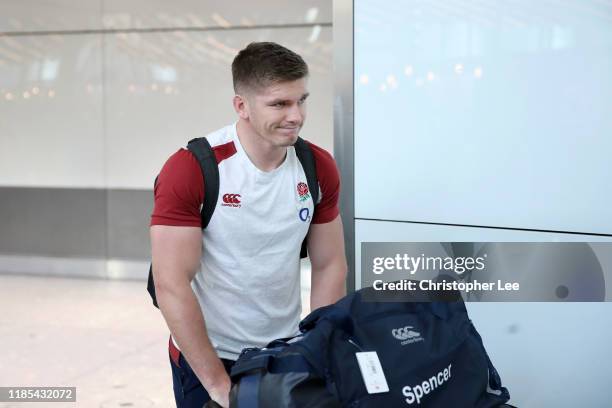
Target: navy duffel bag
358	353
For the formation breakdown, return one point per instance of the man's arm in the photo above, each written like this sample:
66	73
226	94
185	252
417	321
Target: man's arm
326	251
176	253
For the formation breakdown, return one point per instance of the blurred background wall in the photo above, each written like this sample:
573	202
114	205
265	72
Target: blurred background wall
96	94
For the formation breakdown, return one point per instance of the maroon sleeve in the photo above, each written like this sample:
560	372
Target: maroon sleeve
329	181
179	192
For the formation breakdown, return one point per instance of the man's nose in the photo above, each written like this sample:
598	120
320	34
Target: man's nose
294	114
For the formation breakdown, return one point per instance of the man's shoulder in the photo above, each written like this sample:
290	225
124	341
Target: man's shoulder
221	142
221	136
329	183
318	151
181	161
324	161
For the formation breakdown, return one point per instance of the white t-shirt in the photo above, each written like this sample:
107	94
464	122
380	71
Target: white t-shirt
248	286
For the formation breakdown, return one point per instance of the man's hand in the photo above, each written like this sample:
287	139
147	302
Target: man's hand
220	393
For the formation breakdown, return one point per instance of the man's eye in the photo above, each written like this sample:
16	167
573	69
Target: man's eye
279	104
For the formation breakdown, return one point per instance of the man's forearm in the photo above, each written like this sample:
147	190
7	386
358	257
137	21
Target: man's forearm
328	285
184	318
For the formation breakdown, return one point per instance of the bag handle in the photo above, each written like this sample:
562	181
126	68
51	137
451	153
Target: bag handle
336	316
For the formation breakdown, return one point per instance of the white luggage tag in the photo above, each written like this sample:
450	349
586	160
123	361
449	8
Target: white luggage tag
372	373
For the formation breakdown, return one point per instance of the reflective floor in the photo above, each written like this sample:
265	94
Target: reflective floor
103	337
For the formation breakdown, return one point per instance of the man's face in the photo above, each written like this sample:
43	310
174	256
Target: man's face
277	112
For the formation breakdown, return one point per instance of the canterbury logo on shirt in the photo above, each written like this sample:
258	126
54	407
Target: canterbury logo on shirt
231	200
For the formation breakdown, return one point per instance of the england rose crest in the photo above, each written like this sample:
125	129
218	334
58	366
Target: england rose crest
302	189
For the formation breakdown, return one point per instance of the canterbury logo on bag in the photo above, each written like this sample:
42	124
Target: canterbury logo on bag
231	200
406	335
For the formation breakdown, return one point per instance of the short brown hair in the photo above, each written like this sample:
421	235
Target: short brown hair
263	63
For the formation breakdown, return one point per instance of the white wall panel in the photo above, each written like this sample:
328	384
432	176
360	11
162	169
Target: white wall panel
212	13
50	15
484	113
51	126
549	354
166	88
538	348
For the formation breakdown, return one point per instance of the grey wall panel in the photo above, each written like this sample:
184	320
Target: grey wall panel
53	222
129	213
343	125
539	349
76	223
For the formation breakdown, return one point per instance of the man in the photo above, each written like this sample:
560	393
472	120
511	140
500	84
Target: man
236	283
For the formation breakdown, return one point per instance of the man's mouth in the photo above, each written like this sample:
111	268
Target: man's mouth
289	129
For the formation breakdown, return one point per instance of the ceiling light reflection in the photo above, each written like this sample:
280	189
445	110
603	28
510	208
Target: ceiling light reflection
392	81
164	74
408	71
459	69
478	72
311	14
314	34
220	20
49	70
364	79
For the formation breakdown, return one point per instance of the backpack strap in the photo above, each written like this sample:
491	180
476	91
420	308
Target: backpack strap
150	283
307	160
205	155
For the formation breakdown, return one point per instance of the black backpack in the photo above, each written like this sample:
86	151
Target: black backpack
205	155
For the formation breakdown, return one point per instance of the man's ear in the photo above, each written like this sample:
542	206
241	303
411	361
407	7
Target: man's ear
241	106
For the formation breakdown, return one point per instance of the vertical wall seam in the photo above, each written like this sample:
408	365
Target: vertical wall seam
104	135
343	38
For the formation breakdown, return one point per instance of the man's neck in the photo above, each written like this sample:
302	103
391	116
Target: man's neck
262	154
